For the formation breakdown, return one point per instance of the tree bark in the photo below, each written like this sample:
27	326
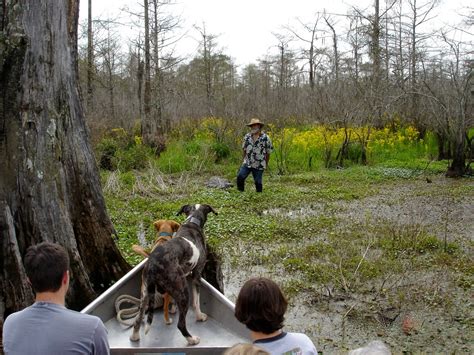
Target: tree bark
90	58
157	79
49	185
311	64
336	52
140	70
458	164
148	123
207	57
376	72
443	152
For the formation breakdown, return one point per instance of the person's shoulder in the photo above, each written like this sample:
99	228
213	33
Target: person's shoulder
18	315
87	318
85	321
12	318
299	335
303	341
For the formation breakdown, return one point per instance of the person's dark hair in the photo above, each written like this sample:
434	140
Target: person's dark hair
45	265
261	305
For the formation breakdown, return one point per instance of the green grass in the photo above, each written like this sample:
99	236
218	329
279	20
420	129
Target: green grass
294	221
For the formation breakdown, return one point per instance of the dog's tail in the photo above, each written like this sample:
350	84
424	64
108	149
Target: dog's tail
139	250
152	288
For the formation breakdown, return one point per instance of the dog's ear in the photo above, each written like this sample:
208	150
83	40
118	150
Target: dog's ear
158	224
174	226
208	209
186	209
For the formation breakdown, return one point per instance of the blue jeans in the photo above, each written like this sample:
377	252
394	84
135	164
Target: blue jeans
257	178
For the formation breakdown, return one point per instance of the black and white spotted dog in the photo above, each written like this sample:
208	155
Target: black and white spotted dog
169	266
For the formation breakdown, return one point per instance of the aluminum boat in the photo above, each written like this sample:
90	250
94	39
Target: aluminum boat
219	332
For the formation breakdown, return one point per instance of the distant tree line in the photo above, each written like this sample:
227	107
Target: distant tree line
369	67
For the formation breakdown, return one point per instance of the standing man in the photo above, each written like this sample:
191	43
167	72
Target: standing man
256	147
47	326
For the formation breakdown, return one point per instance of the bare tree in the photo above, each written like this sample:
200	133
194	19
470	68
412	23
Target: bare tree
140	71
251	90
309	53
108	59
149	124
157	27
376	90
265	66
450	92
208	52
330	24
375	54
90	56
285	70
355	39
400	62
49	185
419	14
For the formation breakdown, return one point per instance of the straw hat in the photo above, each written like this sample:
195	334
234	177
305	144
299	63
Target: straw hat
255	121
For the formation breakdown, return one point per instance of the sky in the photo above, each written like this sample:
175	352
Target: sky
246	29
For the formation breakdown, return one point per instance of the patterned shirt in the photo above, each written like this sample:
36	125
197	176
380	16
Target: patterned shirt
255	151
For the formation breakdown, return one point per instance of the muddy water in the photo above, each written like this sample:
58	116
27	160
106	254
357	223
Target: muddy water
338	322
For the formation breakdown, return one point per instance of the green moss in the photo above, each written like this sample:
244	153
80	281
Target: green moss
293	287
318	250
128	179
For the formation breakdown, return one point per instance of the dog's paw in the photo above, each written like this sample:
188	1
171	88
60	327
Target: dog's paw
202	317
147	328
135	336
193	340
169	321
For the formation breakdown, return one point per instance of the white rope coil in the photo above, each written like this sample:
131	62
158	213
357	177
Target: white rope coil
127	315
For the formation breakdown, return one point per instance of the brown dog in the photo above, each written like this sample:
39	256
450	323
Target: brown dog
165	230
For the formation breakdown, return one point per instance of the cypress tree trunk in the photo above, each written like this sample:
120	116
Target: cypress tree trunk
49	181
458	165
90	58
149	128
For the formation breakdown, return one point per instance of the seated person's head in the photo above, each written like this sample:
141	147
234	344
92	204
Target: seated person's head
45	265
261	305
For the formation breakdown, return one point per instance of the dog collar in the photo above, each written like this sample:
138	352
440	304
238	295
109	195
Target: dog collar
165	234
195	221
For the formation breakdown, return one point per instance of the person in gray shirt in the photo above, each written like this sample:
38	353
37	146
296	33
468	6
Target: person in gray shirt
47	326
